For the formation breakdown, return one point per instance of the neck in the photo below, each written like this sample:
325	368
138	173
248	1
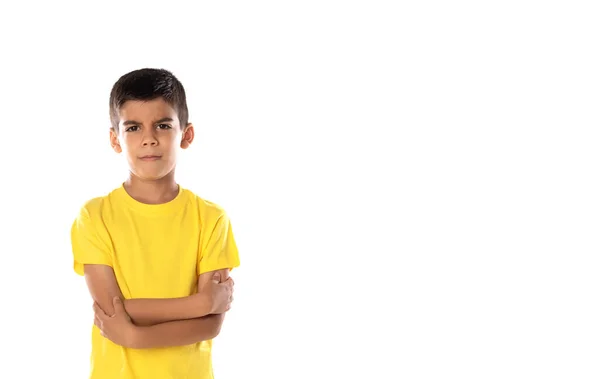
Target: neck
158	191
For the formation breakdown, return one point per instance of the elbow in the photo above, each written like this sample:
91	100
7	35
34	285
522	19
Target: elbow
216	332
215	329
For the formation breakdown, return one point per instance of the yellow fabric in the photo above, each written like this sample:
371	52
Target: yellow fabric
156	251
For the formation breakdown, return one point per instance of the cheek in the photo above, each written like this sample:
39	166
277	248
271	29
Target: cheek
128	142
172	141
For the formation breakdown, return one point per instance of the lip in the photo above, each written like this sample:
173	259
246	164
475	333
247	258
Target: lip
150	157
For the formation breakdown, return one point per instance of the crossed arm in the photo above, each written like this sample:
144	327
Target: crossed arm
159	322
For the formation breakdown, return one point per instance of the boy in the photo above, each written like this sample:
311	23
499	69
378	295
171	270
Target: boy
156	257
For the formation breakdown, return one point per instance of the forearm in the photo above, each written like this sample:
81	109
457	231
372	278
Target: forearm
178	333
147	312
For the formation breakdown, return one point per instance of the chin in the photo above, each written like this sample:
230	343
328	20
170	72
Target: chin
145	175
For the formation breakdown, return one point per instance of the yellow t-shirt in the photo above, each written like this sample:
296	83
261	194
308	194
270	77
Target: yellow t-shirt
156	251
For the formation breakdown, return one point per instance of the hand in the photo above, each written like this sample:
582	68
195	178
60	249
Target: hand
218	295
118	328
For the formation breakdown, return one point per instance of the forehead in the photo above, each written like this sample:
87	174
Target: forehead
146	111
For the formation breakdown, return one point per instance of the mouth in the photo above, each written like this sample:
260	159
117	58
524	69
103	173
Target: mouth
150	157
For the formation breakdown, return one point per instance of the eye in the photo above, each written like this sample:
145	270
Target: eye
164	126
132	128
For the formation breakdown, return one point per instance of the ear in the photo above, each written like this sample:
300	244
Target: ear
114	141
188	136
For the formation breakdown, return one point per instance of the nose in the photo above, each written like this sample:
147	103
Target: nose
149	139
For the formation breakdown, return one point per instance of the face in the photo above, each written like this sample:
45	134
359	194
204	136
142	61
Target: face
150	137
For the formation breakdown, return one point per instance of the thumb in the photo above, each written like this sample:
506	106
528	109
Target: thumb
118	304
216	277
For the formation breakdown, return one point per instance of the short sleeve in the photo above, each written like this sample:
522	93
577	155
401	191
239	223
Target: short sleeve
87	245
218	250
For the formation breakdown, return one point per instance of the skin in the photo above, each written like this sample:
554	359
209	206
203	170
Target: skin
144	130
152	128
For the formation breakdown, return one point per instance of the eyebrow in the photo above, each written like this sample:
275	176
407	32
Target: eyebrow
133	122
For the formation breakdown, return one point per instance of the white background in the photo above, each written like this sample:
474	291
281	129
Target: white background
413	188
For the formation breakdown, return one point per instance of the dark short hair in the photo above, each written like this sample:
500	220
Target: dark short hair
148	84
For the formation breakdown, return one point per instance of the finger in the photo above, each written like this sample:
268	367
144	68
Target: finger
95	307
98	323
98	311
216	277
118	304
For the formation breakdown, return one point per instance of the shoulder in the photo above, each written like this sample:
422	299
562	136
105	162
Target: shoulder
206	208
202	203
94	206
87	218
